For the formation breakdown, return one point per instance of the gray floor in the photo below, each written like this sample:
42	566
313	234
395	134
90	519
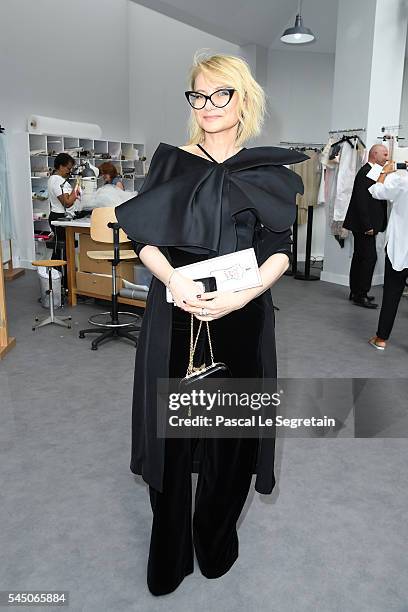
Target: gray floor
332	537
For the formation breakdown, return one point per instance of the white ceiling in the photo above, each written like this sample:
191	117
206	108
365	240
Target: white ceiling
261	21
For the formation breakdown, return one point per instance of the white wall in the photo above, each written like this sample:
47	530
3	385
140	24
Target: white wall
161	51
404	108
67	60
300	90
60	59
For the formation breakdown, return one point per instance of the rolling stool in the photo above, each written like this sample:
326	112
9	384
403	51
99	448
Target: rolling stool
50	264
105	228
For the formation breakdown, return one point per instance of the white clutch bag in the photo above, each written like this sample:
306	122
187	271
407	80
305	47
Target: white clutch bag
231	272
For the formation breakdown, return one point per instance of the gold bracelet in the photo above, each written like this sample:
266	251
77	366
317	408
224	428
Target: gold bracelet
170	277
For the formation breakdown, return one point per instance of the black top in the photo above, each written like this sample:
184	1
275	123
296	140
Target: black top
203	206
364	211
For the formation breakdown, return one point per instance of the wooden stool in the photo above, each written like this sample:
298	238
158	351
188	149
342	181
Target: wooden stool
105	228
50	264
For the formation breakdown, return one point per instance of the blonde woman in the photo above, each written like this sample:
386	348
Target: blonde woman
206	198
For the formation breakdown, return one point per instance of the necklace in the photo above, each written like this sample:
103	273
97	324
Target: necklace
212	158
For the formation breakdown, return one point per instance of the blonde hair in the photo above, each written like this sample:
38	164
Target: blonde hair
235	72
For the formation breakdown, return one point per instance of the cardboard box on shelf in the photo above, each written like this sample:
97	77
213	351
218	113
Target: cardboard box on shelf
100	284
95	283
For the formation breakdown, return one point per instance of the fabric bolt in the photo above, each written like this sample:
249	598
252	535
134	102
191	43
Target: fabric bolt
207	209
394	285
395	189
7	230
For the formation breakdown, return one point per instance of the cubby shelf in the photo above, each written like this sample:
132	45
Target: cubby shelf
43	148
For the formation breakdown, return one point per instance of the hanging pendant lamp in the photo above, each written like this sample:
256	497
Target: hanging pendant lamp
298	35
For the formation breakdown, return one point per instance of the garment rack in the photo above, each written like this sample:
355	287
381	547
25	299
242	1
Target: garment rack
303	144
388	136
347	131
294	268
387	128
306	276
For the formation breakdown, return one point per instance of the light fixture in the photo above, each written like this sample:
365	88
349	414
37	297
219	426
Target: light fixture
87	180
298	35
89	171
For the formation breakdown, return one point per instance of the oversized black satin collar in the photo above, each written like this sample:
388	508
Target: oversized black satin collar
253	156
189	200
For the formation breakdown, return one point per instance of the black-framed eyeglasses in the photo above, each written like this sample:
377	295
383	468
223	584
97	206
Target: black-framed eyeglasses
219	98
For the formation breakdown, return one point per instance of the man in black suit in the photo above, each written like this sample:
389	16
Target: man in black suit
365	218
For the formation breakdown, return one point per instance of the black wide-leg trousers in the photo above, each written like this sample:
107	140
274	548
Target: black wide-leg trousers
394	285
362	264
226	464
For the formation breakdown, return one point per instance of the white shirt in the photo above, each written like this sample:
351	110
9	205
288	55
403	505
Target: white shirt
345	181
395	189
57	185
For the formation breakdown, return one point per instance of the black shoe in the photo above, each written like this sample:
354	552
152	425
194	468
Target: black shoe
370	298
365	303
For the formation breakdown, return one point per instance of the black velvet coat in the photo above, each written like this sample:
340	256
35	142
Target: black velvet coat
200	206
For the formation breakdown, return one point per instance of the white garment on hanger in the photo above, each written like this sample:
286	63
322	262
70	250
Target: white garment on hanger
321	197
345	180
326	163
325	154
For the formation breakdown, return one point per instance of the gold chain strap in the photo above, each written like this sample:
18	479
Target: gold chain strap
193	344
